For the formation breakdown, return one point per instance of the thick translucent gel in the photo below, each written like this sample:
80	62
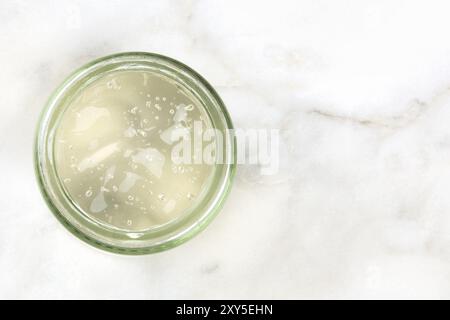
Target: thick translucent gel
113	150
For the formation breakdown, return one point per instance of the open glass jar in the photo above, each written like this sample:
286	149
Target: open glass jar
121	153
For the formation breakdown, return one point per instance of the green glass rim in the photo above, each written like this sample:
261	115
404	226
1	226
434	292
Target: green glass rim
100	235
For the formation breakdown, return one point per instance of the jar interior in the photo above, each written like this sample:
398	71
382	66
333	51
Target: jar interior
113	150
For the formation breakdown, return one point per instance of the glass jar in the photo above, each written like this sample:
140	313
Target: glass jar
106	236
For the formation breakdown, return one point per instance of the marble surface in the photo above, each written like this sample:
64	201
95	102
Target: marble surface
360	91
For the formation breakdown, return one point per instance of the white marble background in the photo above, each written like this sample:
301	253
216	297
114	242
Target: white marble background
361	93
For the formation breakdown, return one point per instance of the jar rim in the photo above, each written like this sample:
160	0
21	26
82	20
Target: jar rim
101	235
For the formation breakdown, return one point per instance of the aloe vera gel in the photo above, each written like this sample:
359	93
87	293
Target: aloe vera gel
113	150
